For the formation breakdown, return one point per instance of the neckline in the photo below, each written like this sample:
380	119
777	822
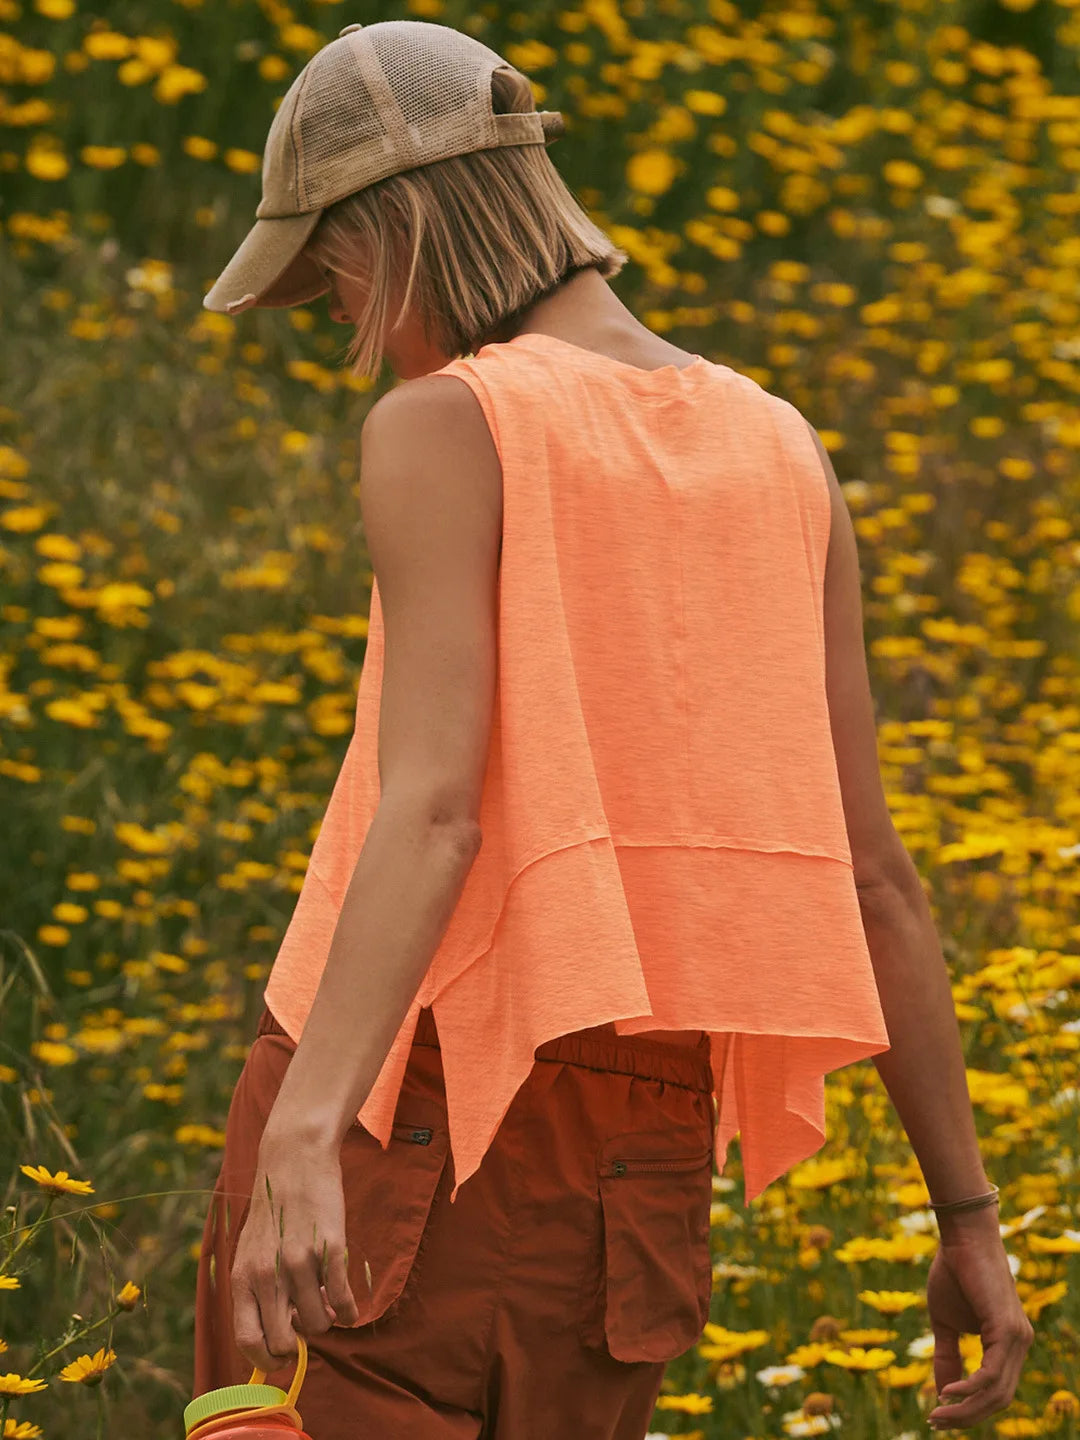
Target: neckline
599	356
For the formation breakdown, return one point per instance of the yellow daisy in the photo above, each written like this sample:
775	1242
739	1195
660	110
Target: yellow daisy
20	1430
9	1282
12	1384
87	1369
59	1184
128	1296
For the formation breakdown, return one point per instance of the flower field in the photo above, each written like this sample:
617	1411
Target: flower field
872	209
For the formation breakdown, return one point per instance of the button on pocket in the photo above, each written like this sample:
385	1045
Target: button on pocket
388	1200
649	1280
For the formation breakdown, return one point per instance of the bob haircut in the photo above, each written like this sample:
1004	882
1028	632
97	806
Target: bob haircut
472	241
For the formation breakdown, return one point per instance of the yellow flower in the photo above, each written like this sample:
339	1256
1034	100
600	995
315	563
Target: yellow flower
176	81
53	935
82	880
154	51
691	1404
59	1184
20	1429
198	147
58	627
107	45
58	547
69	914
705	102
102	1039
89	1369
128	1297
135	72
902	173
299	37
35	66
1063	1402
891	1302
244	162
859	1359
12	1384
13	464
273	68
103	157
60	573
122	592
24	518
53	1052
9	1282
146	842
652	171
76	710
196	1134
531	55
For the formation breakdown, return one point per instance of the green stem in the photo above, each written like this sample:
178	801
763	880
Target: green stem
31	1230
79	1335
117	1200
100	1410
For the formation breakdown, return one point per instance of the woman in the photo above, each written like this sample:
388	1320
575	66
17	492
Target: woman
592	750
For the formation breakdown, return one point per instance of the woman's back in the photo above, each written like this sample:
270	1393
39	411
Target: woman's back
664	845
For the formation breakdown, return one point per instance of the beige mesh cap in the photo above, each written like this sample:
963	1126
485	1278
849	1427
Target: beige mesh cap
377	100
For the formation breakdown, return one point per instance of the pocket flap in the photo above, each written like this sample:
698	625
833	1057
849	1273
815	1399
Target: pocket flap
656	1199
388	1199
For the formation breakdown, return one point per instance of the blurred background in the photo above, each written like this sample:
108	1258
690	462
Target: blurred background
869	208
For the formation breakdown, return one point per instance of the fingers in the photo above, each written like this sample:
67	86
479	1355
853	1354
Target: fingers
989	1389
967	1398
250	1325
338	1290
300	1282
264	1304
263	1310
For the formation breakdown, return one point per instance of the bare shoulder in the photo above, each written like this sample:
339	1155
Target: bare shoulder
439	409
432	431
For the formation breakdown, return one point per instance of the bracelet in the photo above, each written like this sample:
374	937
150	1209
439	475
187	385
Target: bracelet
976	1202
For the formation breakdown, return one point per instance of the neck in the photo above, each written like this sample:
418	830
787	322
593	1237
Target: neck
582	307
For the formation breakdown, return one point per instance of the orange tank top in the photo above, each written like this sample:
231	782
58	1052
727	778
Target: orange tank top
664	838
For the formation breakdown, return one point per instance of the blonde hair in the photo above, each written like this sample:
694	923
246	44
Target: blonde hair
475	239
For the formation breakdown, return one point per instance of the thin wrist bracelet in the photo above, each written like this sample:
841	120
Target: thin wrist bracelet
976	1202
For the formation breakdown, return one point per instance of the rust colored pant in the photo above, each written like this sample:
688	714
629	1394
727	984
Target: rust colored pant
547	1300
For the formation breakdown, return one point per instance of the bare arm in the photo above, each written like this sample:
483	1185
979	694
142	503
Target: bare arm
923	1070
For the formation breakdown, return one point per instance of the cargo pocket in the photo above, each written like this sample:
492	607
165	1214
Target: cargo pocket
388	1201
649	1280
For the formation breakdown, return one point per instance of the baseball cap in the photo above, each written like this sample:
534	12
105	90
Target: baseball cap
379	99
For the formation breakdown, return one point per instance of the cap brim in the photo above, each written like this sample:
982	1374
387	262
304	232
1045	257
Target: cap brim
268	268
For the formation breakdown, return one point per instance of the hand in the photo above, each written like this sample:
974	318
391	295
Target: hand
970	1290
290	1257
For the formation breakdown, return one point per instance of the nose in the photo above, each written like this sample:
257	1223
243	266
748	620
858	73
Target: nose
335	309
